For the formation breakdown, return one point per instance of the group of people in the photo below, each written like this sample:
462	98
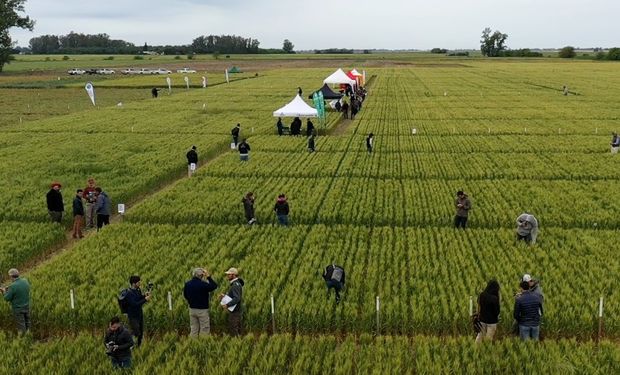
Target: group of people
119	340
356	98
528	310
281	209
98	205
295	127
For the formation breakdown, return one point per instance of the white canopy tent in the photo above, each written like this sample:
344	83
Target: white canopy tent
296	108
339	77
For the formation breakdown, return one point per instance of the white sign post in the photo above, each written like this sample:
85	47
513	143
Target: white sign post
72	299
471	305
600	319
378	307
169	301
186	79
226	72
121	208
273	315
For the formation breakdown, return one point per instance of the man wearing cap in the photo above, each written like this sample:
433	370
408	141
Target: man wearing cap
18	295
78	214
135	301
235	292
90	196
192	158
462	205
197	292
534	286
528	311
55	205
527	228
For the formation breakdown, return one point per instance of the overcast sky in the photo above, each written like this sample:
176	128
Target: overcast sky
391	24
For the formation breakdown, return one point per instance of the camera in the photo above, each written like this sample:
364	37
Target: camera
149	287
109	347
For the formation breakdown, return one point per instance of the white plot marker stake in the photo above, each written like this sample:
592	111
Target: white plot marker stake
72	299
169	301
471	305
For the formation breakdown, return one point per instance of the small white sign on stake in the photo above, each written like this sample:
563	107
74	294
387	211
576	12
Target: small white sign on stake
414	131
121	208
192	167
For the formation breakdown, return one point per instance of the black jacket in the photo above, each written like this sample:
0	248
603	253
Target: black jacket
54	201
243	148
236	293
309	128
235	132
311	143
489	308
329	273
528	309
248	207
78	206
122	338
196	292
135	300
192	157
281	207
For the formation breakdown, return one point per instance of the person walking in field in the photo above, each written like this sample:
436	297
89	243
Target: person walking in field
197	292
309	128
462	205
90	196
282	210
334	277
55	205
118	344
154	92
248	208
192	161
528	311
488	311
345	110
235	134
527	228
615	143
18	295
244	150
311	143
103	208
370	142
78	214
134	302
232	302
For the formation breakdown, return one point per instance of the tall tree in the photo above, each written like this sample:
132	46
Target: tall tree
492	45
288	46
10	17
567	52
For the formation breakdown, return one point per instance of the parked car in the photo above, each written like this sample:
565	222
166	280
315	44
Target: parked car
105	71
130	71
186	70
76	72
90	71
146	71
161	71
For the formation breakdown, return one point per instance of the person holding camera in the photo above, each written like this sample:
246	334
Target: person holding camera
462	205
118	343
90	197
135	301
18	295
197	292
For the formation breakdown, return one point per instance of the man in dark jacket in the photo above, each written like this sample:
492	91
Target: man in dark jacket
103	208
78	214
192	161
309	128
244	150
118	343
281	209
280	126
248	208
197	293
55	205
232	302
311	143
528	311
370	142
235	134
135	301
462	205
334	278
18	295
345	110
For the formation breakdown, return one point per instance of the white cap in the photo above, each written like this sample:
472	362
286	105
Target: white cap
199	272
527	278
13	272
232	271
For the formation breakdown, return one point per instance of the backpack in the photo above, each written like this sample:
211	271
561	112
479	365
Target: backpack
123	303
337	274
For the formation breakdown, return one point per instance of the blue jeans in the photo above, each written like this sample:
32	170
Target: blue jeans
527	333
121	362
337	285
283	219
244	157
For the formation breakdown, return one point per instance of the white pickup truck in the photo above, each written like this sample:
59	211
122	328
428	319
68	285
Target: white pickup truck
130	71
105	71
76	72
186	70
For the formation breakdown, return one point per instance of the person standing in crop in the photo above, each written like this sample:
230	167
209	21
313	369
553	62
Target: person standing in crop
90	196
334	278
244	150
18	295
78	214
248	208
135	301
235	134
615	143
281	209
462	205
528	311
234	304
534	286
309	128
197	292
280	126
154	92
55	205
488	310
527	228
311	143
118	343
192	158
103	208
345	110
369	142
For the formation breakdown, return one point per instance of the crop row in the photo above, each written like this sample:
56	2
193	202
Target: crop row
285	354
424	277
